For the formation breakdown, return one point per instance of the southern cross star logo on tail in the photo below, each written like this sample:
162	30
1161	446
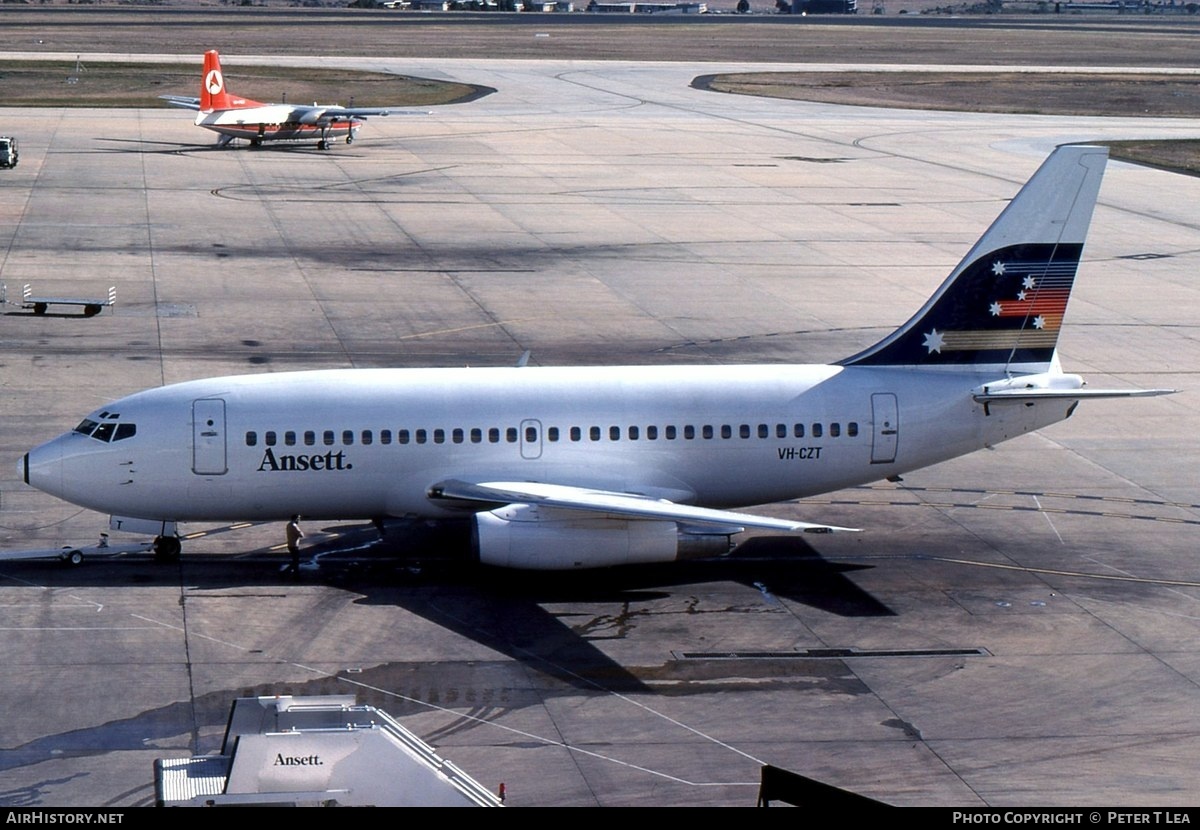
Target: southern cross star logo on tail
1042	301
1007	306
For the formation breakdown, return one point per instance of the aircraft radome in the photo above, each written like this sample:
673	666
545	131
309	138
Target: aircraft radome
563	468
233	117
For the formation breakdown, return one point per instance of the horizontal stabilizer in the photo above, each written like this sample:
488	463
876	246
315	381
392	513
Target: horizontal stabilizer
1017	395
625	505
1049	386
182	101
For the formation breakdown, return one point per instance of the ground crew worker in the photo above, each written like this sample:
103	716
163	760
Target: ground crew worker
294	535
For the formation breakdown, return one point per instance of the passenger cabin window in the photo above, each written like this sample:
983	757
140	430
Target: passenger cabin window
310	438
289	438
251	437
269	438
328	437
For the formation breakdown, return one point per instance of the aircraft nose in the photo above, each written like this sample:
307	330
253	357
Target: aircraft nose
42	466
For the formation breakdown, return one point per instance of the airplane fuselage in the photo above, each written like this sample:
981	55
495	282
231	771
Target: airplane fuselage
371	443
277	122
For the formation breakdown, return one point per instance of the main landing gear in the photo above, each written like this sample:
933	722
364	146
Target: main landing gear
325	142
167	548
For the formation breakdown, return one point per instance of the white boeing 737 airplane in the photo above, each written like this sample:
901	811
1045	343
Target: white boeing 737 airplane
563	468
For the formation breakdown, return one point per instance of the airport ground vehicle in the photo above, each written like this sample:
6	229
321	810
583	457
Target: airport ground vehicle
8	151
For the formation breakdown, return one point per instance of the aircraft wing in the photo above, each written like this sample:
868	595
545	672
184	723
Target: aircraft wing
351	112
317	113
182	101
623	505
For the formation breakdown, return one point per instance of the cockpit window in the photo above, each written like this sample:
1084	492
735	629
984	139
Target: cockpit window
107	431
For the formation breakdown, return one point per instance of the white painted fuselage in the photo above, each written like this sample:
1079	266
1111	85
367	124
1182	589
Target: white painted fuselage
371	443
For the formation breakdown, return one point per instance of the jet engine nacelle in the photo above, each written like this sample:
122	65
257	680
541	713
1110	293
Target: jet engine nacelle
525	536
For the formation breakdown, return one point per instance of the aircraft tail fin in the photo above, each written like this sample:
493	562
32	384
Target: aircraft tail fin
1003	306
213	93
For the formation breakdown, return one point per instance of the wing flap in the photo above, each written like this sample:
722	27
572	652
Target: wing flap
623	505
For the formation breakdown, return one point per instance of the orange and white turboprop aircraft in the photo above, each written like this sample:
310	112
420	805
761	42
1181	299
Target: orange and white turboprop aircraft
233	117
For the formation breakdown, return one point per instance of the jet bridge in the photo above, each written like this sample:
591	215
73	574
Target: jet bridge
323	751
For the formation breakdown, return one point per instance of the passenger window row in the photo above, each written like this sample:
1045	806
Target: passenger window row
510	435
